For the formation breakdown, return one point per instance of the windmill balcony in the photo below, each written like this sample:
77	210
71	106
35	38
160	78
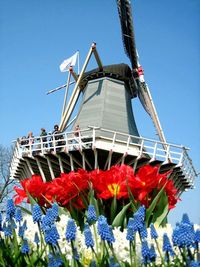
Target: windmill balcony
96	147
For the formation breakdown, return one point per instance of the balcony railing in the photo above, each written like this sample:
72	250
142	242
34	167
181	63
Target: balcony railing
99	138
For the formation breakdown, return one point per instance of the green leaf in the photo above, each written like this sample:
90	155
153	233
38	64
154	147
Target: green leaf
118	221
162	210
32	200
113	208
132	200
24	209
149	211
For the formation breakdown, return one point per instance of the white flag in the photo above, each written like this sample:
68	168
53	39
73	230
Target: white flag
65	65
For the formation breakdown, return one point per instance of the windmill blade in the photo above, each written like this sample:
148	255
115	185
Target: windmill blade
126	21
147	101
125	15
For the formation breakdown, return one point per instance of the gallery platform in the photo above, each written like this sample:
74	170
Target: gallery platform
99	148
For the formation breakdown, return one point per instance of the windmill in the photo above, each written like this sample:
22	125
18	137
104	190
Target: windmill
108	134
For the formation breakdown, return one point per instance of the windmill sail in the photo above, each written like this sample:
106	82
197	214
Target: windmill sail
125	15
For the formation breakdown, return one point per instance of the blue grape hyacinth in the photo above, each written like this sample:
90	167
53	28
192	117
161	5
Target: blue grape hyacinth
7	229
185	219
104	230
139	217
194	264
91	215
47	220
131	230
153	232
152	253
10	209
196	239
113	263
25	247
51	235
36	213
1	220
54	210
167	247
36	238
89	242
183	235
70	230
21	231
145	252
18	215
143	232
54	260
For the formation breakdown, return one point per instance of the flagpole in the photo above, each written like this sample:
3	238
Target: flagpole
78	64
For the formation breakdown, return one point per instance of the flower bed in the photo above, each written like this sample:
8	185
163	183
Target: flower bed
99	218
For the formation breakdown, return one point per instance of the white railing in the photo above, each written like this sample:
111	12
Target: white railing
66	141
89	138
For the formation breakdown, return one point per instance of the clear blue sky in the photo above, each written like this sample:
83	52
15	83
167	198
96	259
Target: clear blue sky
36	36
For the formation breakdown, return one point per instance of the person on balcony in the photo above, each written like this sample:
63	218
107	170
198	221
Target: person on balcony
43	139
77	131
30	142
57	136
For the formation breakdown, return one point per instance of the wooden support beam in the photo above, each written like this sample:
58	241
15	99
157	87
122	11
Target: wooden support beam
71	162
40	169
83	159
75	94
73	73
95	158
66	94
50	168
97	57
29	166
60	164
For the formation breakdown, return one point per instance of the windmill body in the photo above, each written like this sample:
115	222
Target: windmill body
107	100
108	133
